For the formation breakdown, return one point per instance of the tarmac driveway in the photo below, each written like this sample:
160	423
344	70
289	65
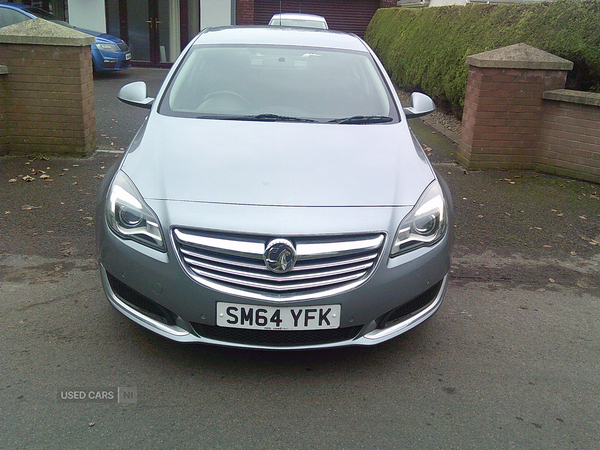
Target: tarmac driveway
511	359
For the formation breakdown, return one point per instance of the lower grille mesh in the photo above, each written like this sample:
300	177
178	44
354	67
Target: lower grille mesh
140	302
403	312
277	338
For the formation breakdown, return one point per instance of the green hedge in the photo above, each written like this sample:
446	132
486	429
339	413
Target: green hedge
426	49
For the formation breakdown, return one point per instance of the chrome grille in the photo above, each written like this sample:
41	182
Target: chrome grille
234	264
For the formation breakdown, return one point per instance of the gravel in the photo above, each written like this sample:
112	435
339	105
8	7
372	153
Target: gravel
445	120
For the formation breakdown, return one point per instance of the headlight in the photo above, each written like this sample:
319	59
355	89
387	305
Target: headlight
108	47
425	224
129	216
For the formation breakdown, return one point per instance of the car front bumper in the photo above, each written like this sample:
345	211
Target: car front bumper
184	332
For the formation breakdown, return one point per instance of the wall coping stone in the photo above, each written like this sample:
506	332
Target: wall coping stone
519	56
43	32
569	96
3	70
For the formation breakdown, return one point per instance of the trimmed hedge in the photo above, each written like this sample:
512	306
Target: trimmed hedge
426	49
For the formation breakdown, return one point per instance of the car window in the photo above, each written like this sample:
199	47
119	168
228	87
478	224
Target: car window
298	23
41	14
318	84
10	17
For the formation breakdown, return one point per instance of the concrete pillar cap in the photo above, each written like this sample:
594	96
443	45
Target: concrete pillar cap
519	56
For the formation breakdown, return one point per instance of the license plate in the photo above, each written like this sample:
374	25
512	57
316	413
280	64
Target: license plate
128	56
321	317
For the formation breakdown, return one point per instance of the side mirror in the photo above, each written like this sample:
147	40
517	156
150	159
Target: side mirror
420	105
135	94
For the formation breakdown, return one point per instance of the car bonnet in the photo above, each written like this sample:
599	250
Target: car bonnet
277	164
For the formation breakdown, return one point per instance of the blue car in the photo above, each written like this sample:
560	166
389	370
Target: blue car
109	53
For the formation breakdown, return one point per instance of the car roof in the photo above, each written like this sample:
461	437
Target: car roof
265	35
298	16
17	7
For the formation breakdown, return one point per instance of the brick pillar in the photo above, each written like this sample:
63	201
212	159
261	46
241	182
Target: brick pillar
48	92
503	112
244	12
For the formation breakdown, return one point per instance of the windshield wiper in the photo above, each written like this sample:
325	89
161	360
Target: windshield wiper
277	118
363	119
257	117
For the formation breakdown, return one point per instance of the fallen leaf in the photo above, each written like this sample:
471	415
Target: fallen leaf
44	177
551	280
12	180
29	207
28	179
547	246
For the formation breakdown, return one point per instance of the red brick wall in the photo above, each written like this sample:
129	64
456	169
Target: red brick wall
49	99
244	12
570	140
502	116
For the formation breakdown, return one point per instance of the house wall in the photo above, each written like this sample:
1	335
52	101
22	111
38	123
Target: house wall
3	131
88	14
215	13
447	2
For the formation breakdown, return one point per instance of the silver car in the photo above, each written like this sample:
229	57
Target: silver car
275	198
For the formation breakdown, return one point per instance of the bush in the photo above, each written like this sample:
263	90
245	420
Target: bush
426	49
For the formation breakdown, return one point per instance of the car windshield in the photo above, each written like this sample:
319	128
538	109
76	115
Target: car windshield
278	83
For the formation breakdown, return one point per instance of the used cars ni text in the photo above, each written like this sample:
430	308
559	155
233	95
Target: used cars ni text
275	198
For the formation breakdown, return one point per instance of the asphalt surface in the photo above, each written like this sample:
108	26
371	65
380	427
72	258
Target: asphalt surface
511	359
